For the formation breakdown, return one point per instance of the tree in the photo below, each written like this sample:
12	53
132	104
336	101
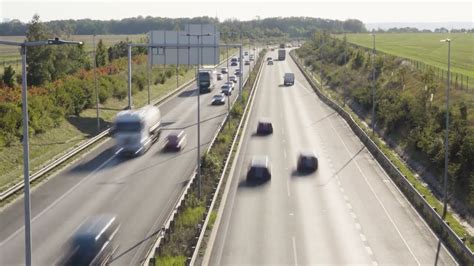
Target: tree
40	58
8	77
101	54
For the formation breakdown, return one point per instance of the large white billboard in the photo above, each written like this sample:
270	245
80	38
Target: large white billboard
169	53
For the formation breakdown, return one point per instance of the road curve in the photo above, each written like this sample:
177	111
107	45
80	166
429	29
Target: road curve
348	212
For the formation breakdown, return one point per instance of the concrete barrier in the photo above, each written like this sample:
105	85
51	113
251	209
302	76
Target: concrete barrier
462	253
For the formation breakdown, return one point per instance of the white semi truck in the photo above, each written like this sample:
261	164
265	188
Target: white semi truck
136	130
207	79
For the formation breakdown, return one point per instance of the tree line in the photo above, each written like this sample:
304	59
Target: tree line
291	27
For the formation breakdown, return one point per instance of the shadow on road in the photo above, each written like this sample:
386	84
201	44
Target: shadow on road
321	119
94	163
244	183
187	93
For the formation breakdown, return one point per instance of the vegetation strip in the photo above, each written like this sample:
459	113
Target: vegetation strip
418	200
181	238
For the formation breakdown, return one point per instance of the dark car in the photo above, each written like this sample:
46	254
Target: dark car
247	62
226	89
307	162
264	127
237	72
218	99
270	62
176	141
234	64
269	58
92	243
259	169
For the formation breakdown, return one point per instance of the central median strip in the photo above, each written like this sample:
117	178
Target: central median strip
179	241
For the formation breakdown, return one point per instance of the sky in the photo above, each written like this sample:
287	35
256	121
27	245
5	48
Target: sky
367	11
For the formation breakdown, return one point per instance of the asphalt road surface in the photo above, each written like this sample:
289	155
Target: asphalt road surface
348	212
140	191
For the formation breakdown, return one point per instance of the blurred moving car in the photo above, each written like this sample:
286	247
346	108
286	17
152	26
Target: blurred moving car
259	169
307	162
247	62
233	78
176	141
224	70
234	63
226	89
264	127
218	99
237	72
231	84
269	58
92	243
219	76
270	62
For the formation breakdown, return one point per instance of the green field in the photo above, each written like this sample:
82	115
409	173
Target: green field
425	47
11	53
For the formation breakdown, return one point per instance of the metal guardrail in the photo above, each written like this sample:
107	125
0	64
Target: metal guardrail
433	219
155	249
85	144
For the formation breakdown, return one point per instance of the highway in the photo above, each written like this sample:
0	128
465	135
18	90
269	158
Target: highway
347	212
140	191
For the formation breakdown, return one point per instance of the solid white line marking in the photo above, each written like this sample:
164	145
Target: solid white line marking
376	196
294	251
362	236
358	227
60	198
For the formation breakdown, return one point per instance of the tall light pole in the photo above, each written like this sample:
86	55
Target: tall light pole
198	36
373	83
446	136
345	68
95	84
129	53
321	55
26	150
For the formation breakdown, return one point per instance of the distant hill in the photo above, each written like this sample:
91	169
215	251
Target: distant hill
421	26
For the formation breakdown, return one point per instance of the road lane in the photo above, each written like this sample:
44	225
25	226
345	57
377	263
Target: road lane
348	212
140	191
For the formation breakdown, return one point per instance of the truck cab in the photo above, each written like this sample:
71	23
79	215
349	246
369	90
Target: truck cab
207	79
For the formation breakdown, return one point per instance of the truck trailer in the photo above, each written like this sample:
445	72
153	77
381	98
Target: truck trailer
281	54
207	79
136	130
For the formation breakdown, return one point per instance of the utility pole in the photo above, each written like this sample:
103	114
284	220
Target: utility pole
198	36
95	84
129	77
446	136
373	84
26	149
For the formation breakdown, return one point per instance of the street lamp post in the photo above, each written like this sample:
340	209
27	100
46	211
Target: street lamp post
198	36
373	83
26	151
95	84
446	136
